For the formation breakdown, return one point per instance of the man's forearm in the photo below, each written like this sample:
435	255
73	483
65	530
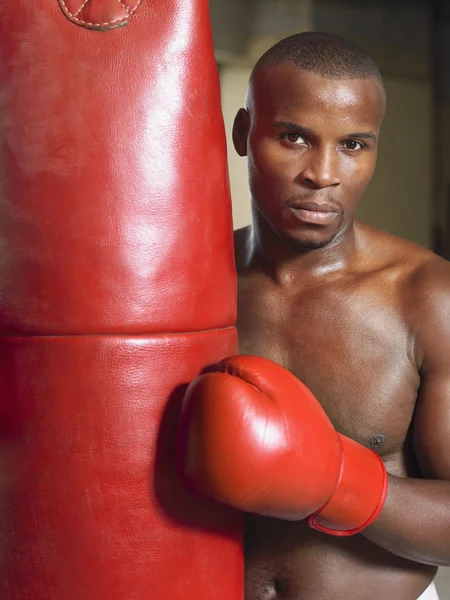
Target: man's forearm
415	521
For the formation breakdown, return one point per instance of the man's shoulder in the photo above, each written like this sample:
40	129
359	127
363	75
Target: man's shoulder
428	302
412	261
428	290
423	289
425	296
423	276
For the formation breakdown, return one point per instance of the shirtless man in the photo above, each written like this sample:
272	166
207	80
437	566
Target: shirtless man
358	315
361	317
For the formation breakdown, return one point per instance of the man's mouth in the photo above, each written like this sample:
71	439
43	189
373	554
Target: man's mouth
315	213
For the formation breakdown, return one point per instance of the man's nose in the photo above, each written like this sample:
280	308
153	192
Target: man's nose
321	169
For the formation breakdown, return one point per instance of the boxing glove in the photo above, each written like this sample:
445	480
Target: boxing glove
251	435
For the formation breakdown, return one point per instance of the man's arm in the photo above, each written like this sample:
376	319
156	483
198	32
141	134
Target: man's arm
415	521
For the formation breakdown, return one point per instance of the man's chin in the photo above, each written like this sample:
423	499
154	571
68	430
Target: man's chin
303	242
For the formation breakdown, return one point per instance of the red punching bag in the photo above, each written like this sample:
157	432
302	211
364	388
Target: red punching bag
117	287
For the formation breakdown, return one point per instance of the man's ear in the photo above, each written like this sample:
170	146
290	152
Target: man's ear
241	128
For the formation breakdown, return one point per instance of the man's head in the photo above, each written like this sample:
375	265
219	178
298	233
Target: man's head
314	108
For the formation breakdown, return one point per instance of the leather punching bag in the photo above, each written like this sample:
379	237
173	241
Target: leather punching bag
117	287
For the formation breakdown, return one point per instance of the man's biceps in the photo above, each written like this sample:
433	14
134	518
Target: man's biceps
432	426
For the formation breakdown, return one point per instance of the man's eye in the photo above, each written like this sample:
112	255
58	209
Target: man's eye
294	138
353	145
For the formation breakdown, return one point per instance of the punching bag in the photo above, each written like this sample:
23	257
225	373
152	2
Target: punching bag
117	287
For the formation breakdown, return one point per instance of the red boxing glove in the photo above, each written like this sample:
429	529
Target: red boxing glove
253	436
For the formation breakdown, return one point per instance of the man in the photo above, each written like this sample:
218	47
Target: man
359	316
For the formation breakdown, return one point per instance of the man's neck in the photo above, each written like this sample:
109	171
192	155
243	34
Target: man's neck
283	261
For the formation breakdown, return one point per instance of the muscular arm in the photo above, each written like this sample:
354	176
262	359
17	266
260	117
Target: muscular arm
415	522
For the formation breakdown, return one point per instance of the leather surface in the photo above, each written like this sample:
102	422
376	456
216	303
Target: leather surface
91	506
283	452
116	139
100	14
359	495
117	287
285	459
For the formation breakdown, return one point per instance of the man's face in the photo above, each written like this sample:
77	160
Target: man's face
311	144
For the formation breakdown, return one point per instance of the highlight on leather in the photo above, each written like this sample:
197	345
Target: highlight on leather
117	288
95	14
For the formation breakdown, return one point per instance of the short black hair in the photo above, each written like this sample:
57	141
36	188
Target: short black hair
324	54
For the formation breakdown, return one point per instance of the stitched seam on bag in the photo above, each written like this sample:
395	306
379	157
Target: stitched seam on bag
75	18
125	7
81	8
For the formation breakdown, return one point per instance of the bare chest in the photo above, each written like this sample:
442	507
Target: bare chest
352	350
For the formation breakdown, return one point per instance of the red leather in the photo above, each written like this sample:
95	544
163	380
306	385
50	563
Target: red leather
359	495
254	437
117	287
114	184
100	14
